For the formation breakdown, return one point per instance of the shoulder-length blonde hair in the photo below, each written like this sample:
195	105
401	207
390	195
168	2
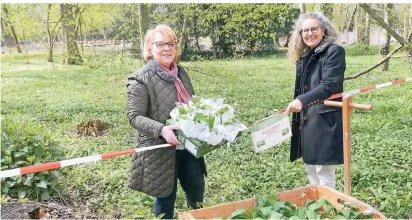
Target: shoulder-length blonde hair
148	42
296	46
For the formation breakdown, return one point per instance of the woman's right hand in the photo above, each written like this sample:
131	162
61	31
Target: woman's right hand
168	134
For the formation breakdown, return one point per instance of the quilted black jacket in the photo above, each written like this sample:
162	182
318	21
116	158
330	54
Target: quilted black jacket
151	95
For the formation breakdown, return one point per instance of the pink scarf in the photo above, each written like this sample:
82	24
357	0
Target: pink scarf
182	95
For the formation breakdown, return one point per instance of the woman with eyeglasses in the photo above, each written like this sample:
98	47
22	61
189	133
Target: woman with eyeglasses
316	128
152	92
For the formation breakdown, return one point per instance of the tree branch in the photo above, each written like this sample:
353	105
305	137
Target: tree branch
374	66
380	21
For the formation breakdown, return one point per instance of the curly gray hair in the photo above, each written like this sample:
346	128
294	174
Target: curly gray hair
296	46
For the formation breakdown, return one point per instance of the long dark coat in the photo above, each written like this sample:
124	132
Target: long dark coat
317	129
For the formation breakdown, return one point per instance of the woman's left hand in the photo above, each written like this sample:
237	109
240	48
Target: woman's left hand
294	106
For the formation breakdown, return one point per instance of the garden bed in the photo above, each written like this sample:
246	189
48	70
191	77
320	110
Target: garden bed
297	196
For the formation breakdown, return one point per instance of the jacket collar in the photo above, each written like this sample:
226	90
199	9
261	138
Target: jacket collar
156	69
324	43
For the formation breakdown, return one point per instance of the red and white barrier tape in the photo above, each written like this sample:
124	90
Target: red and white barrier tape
368	88
365	89
65	163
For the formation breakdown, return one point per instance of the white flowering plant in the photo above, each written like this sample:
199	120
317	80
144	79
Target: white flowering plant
209	121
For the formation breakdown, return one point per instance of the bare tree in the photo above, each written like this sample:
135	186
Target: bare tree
52	33
384	49
405	42
352	19
72	54
184	32
363	28
302	8
10	26
6	38
143	24
409	52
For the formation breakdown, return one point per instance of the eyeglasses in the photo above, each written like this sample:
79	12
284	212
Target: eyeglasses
160	45
305	31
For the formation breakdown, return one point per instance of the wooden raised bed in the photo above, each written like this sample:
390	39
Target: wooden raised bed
296	196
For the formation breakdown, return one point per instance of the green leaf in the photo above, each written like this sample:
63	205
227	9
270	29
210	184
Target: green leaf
55	173
355	214
275	215
45	195
28	180
20	162
317	205
200	118
330	208
30	159
262	201
266	211
339	217
22	193
210	121
181	110
310	213
238	214
42	184
20	153
345	213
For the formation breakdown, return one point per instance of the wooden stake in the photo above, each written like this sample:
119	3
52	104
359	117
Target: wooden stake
346	112
347	106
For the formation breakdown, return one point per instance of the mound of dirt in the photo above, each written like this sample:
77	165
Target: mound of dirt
92	128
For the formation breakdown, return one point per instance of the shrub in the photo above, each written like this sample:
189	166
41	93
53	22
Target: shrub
24	144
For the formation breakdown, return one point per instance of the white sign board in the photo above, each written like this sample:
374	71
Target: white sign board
270	131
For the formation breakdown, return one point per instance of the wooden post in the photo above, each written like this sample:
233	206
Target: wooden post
347	106
346	112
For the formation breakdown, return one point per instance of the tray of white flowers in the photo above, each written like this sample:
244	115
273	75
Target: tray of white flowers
205	125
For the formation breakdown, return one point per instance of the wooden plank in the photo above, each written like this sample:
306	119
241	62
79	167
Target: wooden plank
334	196
223	210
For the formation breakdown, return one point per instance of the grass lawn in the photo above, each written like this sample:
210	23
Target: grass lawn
58	97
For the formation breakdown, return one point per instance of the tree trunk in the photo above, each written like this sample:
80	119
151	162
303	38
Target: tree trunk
352	19
72	55
213	44
143	24
183	36
11	28
409	46
302	8
7	41
50	39
384	50
363	30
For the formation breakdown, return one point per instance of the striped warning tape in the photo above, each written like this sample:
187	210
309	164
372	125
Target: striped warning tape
368	88
65	163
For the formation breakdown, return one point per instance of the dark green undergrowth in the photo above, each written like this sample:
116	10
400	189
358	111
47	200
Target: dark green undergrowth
57	98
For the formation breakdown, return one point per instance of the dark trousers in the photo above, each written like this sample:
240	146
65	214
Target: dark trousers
189	171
